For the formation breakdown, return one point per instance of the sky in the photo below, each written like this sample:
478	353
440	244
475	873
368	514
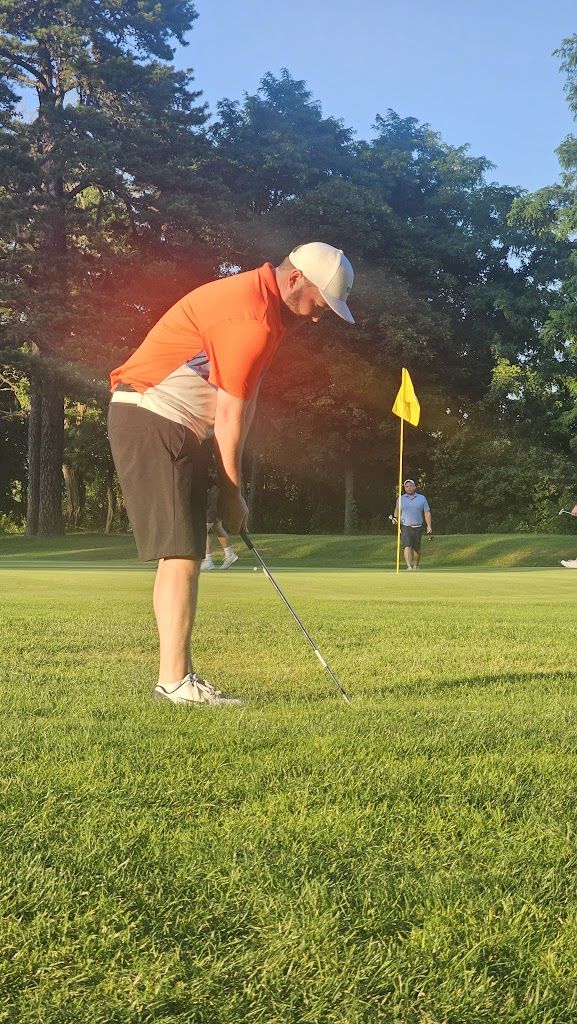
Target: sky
479	73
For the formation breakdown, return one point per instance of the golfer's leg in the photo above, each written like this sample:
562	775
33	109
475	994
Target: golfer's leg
222	535
175	594
408	553
416	547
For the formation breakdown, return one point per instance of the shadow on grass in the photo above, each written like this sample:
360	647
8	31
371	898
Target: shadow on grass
481	682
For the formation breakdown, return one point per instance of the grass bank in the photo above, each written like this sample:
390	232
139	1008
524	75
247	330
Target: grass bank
324	552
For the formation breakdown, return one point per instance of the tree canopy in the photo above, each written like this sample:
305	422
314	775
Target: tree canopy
120	192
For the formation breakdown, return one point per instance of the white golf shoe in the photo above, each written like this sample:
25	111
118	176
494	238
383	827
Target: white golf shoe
206	565
569	563
192	690
229	560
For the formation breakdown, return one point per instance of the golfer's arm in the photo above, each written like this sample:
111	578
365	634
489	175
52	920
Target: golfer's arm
428	519
229	434
250	411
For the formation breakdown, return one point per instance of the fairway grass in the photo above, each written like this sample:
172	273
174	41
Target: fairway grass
410	858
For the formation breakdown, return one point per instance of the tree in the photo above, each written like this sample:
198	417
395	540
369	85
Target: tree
277	145
445	285
535	384
106	166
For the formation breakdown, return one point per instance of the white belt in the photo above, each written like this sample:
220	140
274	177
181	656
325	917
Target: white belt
127	397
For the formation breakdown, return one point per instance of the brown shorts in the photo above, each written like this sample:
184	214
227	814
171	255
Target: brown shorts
162	471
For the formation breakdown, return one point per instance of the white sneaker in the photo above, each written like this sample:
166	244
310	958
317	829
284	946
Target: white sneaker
229	560
409	568
193	690
569	563
206	564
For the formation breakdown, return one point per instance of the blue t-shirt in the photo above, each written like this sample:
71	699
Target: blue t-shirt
412	509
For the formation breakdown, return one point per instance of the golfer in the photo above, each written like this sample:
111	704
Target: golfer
197	375
213	523
414	507
570	563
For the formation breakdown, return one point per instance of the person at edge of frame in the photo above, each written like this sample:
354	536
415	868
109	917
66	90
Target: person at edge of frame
570	563
214	524
196	375
414	507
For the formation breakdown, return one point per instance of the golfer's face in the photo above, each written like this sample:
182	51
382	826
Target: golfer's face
410	488
306	300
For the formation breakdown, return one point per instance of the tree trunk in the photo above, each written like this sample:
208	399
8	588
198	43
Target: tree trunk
73	484
34	436
50	522
350	507
53	250
111	499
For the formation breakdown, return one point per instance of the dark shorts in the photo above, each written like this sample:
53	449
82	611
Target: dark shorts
162	471
212	516
411	537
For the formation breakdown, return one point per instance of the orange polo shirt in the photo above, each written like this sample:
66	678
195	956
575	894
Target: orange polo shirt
221	335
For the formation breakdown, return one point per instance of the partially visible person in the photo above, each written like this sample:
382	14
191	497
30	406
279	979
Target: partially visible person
214	523
196	375
414	508
570	563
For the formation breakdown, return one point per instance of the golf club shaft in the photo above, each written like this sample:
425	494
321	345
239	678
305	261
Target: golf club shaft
245	537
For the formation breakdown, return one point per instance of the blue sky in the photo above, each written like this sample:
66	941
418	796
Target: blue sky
478	72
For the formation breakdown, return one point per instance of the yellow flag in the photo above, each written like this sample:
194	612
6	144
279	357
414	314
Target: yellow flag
406	404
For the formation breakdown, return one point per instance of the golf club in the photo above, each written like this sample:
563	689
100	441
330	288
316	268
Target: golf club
564	512
245	537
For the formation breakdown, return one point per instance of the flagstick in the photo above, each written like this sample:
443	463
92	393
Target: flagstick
407	407
400	498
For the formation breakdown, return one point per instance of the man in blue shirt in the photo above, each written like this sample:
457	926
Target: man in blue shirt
414	507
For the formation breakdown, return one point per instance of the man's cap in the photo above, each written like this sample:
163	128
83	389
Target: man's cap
330	271
409	482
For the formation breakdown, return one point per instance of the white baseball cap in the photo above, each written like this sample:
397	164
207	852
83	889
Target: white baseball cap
330	271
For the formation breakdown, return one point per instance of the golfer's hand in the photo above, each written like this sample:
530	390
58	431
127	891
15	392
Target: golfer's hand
429	529
232	510
574	510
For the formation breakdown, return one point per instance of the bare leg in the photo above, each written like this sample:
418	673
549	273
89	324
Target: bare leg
408	553
222	535
175	594
416	557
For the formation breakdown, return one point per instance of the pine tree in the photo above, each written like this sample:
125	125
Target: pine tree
100	176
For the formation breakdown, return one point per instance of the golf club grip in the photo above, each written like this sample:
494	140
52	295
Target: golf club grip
246	540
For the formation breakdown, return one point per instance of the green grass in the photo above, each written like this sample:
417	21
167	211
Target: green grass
459	551
408	859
